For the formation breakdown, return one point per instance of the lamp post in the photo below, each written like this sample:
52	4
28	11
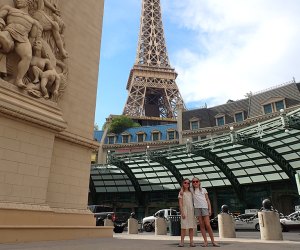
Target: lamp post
284	120
188	147
232	136
147	154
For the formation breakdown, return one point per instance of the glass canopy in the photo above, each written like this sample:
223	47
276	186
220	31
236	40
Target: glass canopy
266	152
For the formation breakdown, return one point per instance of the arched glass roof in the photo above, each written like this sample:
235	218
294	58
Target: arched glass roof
261	153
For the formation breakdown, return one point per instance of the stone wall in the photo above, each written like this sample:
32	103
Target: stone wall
45	146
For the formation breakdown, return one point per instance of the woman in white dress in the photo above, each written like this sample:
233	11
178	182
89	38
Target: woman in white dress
187	212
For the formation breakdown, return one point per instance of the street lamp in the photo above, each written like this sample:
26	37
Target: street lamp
147	154
284	120
188	147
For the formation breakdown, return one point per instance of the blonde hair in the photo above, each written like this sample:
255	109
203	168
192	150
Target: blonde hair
193	185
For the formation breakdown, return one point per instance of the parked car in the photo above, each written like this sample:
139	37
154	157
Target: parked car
291	221
119	219
247	221
149	222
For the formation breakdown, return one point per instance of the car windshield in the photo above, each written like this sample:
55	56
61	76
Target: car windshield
100	208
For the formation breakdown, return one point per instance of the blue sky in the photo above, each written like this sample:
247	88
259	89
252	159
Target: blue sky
221	49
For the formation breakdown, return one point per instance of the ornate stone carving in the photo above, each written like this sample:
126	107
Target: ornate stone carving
32	52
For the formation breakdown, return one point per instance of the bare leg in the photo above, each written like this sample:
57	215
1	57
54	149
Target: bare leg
55	91
202	229
44	90
25	53
209	230
182	235
191	234
36	74
58	41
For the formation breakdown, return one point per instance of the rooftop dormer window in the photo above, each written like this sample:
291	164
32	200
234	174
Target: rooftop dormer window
171	135
141	136
220	120
273	104
239	116
194	124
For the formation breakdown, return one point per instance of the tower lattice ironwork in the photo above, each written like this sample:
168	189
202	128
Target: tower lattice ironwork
152	90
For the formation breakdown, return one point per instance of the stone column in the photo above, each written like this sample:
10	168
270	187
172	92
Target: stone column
180	109
46	144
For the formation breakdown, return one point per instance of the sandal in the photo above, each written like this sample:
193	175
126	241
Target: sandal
204	245
215	245
192	245
180	245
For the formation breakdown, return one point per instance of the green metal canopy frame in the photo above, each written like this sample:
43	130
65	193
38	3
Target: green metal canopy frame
261	153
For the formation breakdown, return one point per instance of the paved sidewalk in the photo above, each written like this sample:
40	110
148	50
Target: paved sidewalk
152	242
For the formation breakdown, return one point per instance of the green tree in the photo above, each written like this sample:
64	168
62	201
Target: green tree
121	123
96	127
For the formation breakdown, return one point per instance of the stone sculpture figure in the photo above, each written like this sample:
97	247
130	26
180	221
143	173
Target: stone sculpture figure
33	30
50	82
50	24
16	34
44	73
37	62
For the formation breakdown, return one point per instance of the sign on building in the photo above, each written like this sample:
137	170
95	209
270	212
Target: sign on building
251	211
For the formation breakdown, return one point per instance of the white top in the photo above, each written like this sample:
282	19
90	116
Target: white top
199	198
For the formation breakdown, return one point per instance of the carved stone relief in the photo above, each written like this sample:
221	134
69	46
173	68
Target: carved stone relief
32	50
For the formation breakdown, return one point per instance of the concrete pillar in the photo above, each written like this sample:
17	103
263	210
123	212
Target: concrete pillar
108	222
133	226
226	226
269	223
180	109
160	226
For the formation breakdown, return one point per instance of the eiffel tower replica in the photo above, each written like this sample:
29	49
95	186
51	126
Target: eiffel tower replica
152	90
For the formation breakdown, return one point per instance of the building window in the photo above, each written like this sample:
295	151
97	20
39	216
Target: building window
220	121
239	117
155	136
111	140
125	138
194	125
195	138
171	135
273	105
203	137
279	105
268	108
140	137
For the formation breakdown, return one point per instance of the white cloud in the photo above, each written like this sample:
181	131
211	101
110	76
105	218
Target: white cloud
240	46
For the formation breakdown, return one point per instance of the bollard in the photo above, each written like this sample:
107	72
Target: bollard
108	222
226	223
269	223
160	226
133	225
